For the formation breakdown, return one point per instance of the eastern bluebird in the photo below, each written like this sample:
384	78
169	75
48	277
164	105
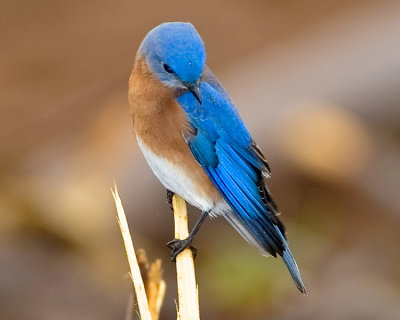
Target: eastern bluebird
195	142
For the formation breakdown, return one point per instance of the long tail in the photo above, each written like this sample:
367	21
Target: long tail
287	256
292	266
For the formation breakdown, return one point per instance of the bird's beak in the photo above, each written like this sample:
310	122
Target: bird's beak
195	90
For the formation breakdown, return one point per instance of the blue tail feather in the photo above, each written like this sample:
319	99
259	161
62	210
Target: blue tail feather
291	264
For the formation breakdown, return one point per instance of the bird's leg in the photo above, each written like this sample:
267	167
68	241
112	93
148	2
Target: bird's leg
170	195
178	245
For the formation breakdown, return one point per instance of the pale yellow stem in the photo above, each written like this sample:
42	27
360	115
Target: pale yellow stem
188	298
133	263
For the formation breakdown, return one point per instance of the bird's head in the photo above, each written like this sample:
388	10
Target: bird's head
175	53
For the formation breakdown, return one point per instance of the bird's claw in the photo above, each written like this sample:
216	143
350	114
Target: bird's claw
177	246
170	195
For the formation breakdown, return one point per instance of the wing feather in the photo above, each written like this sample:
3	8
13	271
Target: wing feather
224	148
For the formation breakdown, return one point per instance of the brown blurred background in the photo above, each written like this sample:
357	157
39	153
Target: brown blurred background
318	85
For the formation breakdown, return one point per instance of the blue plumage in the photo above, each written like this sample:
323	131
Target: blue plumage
177	45
218	138
224	148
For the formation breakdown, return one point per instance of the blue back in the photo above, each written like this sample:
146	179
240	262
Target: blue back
224	148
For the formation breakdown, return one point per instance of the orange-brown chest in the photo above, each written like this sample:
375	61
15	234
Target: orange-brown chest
158	119
160	122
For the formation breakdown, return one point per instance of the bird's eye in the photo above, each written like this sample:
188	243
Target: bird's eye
167	68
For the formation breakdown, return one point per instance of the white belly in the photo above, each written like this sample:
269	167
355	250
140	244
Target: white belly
175	179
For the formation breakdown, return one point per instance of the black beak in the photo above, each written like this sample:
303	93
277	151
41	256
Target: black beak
194	89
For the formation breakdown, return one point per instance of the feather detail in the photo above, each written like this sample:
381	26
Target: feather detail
237	167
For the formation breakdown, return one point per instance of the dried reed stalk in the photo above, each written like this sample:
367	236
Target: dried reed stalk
133	263
188	298
154	285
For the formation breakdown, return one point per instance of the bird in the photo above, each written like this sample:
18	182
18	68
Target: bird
195	142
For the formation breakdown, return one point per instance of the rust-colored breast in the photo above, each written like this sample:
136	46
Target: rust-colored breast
159	121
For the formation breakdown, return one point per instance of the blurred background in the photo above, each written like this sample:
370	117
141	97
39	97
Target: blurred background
318	85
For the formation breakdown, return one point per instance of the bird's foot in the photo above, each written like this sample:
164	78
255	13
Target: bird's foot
170	195
177	246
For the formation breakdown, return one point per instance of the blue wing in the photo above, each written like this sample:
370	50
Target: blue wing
224	148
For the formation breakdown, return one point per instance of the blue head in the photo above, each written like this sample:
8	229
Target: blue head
175	53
